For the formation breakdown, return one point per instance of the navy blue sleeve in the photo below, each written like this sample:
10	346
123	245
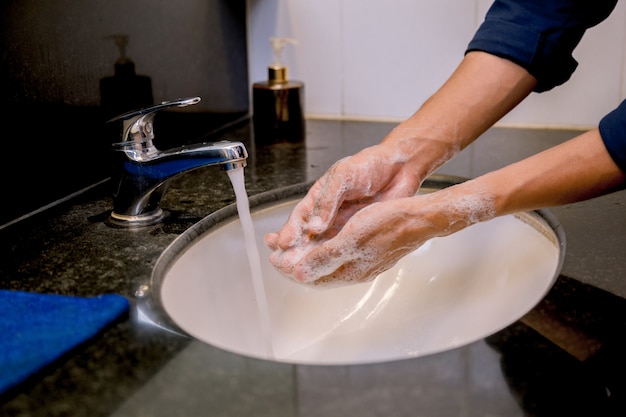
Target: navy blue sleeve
539	35
613	132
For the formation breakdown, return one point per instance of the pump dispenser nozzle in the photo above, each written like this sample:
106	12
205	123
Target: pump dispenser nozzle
277	71
278	44
121	41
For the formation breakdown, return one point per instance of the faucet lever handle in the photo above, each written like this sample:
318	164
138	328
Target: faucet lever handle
137	125
133	114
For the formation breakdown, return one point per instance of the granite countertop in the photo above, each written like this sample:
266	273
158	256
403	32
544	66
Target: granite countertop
563	358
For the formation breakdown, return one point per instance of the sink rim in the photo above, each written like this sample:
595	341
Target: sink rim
150	307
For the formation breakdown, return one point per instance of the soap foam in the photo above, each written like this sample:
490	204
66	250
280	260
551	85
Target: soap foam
469	209
350	263
353	263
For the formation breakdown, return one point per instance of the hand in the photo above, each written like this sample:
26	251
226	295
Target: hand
371	241
457	114
378	173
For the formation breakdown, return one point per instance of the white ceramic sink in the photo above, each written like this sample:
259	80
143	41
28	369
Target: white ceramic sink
450	292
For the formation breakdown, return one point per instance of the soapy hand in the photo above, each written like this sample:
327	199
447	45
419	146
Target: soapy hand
376	174
371	241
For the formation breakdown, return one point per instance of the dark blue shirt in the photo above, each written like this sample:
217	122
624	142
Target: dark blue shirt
540	35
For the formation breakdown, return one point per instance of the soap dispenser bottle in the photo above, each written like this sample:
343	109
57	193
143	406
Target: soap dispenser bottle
125	90
278	103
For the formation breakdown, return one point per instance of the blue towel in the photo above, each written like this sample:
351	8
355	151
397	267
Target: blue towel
36	329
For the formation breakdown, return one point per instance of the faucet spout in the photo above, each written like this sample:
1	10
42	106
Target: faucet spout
142	172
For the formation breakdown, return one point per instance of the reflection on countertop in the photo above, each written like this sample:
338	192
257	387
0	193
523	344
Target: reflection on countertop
563	358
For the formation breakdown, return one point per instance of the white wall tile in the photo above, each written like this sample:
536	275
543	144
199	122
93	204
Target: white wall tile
397	52
319	53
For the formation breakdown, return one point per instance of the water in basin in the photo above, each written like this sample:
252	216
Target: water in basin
450	292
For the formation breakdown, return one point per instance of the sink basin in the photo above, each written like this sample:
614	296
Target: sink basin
448	293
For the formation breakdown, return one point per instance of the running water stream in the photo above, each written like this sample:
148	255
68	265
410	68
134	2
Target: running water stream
243	208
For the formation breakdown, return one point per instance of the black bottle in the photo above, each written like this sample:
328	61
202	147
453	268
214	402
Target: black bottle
125	90
278	104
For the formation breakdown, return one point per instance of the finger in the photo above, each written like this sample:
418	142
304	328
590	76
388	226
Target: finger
330	195
271	240
293	231
291	235
321	261
281	263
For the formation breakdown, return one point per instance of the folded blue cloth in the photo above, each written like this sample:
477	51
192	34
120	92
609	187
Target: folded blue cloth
36	329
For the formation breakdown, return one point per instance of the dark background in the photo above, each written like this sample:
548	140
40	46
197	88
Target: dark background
53	58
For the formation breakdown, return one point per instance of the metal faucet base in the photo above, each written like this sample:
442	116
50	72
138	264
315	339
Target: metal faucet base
142	220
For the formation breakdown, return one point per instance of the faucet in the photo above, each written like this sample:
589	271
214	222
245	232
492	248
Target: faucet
142	173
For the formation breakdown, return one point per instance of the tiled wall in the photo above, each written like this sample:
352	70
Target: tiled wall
380	59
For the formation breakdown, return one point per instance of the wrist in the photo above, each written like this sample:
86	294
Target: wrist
423	149
454	208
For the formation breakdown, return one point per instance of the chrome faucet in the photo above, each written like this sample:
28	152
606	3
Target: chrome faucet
142	173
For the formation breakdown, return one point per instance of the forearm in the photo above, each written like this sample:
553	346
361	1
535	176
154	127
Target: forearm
481	90
574	171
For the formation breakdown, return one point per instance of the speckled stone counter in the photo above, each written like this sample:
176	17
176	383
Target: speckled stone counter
564	358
